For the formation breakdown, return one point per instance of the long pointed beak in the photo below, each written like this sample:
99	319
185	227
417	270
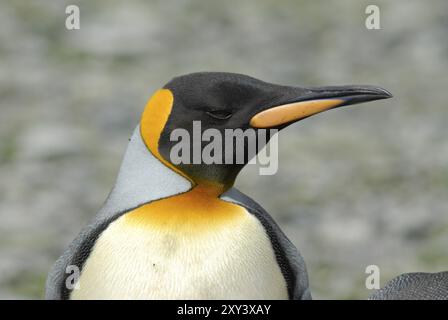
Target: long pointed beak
316	100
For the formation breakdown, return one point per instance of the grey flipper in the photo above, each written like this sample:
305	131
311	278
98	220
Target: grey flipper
75	255
288	257
142	179
415	286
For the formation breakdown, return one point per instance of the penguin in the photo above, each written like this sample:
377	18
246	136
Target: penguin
415	286
182	231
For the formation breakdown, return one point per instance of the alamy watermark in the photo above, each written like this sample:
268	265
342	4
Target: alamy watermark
72	280
373	21
373	278
231	146
72	22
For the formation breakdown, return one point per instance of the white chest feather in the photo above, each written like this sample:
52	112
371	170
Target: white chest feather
232	260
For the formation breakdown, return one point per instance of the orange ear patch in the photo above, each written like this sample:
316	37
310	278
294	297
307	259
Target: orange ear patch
153	121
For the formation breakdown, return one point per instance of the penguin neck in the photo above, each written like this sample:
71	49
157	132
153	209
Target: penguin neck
191	213
208	189
142	178
212	179
200	185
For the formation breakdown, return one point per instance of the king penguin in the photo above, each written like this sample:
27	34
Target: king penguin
182	231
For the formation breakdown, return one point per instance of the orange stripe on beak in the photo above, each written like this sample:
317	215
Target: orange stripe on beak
290	112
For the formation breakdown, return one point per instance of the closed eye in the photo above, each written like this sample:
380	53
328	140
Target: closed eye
219	114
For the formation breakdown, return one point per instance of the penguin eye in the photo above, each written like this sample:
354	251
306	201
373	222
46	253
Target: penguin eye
219	114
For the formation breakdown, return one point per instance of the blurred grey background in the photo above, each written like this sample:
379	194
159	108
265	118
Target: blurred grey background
356	186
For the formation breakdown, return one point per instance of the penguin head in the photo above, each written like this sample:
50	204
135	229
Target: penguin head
219	101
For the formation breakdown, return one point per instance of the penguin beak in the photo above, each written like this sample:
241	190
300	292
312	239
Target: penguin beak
315	100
